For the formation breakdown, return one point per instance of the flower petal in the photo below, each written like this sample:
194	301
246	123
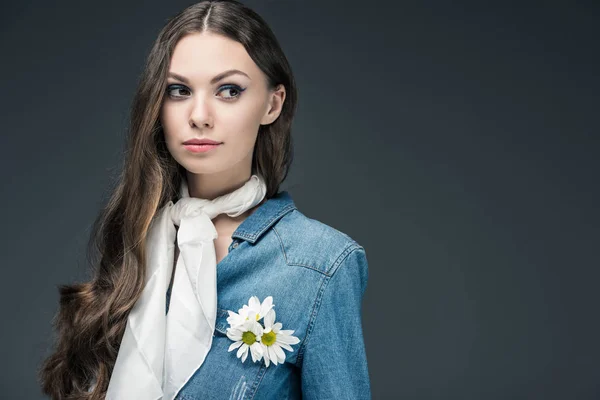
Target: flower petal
235	330
254	303
255	352
277	327
280	354
272	354
270	318
235	345
235	319
242	348
287	339
245	355
252	315
284	345
266	305
293	340
259	348
257	329
234	334
248	325
243	312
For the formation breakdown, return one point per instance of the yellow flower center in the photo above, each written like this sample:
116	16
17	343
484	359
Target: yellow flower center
268	338
249	338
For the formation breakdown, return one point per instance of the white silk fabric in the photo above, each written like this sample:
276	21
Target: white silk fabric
159	353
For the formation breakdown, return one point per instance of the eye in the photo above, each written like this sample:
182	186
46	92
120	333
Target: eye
175	88
179	91
232	88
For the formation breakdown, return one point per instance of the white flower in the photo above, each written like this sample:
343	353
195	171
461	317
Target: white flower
246	336
254	310
265	342
273	338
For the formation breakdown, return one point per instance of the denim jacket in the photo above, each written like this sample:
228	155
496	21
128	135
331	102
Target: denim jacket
317	276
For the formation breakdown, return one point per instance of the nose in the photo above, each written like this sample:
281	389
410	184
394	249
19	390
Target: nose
201	113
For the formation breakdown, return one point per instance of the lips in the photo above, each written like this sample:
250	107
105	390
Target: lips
201	141
200	148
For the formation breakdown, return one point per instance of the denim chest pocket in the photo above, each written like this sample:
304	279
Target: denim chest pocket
251	380
223	375
288	320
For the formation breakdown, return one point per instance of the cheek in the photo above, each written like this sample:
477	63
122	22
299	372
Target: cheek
241	129
170	120
244	118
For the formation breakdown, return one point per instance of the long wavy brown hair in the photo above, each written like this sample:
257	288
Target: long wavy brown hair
92	316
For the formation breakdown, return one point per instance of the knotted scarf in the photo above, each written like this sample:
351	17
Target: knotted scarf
159	353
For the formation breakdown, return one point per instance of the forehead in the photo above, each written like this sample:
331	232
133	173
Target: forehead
201	56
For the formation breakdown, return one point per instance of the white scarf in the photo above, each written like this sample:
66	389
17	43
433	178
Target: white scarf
159	353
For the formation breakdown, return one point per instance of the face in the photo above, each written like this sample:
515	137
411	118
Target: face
205	101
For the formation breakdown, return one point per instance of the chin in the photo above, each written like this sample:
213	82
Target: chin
194	168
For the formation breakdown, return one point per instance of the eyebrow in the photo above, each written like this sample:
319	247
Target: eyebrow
214	80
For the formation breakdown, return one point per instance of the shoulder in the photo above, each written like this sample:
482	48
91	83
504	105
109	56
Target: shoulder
310	243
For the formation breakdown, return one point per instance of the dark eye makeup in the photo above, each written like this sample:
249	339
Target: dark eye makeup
182	88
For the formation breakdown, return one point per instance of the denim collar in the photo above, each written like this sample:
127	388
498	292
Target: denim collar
264	217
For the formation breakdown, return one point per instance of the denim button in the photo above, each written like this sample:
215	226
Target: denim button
235	244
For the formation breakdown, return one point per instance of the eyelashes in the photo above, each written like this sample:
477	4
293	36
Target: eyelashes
226	87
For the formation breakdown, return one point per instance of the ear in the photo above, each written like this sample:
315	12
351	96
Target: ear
274	106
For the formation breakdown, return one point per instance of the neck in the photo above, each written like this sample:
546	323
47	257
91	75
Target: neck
211	186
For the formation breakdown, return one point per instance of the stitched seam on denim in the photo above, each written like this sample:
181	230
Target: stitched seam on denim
257	380
317	306
312	319
286	258
280	244
326	273
352	246
252	236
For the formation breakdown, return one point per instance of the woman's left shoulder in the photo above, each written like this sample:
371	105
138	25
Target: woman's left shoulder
310	242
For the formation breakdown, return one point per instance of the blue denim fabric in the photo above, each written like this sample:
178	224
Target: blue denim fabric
317	276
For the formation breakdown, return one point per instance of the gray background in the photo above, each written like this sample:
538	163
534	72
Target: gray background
458	144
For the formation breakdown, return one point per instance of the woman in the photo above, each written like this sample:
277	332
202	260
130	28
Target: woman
202	232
